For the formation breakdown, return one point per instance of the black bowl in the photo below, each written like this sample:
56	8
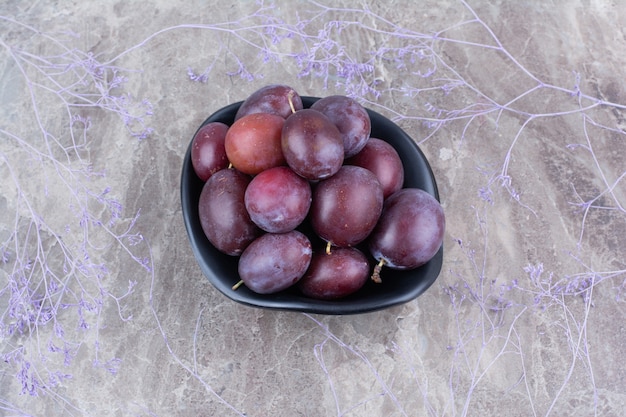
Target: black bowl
398	287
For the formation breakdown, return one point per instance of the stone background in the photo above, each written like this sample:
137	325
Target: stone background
519	107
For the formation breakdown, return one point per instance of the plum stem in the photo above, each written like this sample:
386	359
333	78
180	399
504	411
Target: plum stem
237	285
376	273
290	99
328	245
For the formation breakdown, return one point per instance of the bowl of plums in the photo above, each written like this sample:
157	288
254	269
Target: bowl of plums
311	204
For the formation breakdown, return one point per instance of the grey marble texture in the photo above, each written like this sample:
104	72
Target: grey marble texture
519	106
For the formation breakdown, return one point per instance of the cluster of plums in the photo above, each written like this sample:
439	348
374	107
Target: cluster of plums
301	195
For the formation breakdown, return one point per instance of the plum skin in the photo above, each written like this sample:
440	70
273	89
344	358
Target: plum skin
275	261
312	145
383	160
278	199
253	143
410	230
335	275
223	215
346	206
351	119
274	99
208	154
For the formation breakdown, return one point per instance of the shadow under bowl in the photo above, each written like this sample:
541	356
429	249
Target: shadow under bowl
398	286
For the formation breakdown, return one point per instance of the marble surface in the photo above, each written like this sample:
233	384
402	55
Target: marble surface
519	106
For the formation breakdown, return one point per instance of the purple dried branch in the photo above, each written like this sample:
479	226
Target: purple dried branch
42	296
386	389
190	369
499	311
56	290
323	54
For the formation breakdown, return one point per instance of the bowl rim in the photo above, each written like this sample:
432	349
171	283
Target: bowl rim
289	300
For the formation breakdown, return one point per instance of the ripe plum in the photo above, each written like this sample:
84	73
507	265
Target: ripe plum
312	144
383	160
278	199
275	261
253	143
351	119
208	154
275	99
346	206
223	215
335	275
410	230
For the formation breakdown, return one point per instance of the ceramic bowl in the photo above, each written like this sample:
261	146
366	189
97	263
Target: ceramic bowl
398	287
